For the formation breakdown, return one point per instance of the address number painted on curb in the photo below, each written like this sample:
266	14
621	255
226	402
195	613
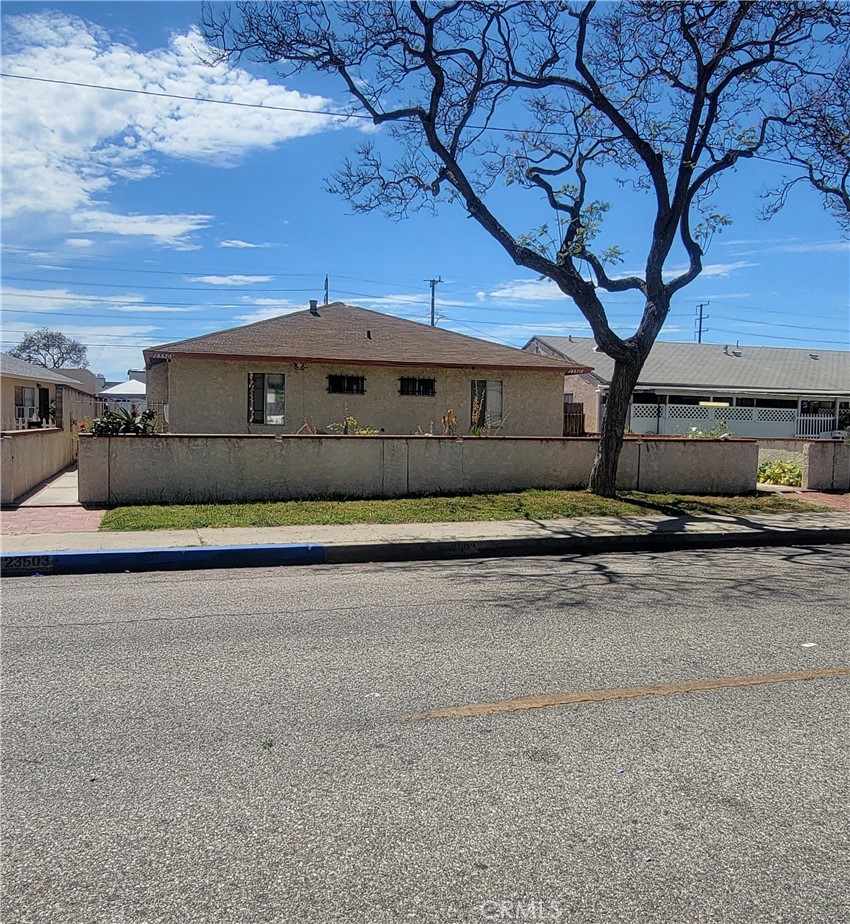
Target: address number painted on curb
27	564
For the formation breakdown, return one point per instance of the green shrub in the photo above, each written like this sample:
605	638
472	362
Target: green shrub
123	422
781	471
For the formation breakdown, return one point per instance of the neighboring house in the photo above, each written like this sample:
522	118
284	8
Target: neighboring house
125	395
33	396
756	391
309	370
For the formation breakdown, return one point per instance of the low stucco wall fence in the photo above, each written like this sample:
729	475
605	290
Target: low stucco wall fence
176	468
826	466
825	463
28	457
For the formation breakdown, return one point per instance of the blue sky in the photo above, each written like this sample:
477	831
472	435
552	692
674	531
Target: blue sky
131	220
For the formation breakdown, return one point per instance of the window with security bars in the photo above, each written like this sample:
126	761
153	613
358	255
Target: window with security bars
266	398
424	388
485	403
347	384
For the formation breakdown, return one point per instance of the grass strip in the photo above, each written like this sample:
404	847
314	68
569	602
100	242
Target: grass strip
532	504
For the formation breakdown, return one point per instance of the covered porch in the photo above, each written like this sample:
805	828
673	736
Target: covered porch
760	416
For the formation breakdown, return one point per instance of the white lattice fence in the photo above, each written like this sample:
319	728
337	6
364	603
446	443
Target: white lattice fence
672	419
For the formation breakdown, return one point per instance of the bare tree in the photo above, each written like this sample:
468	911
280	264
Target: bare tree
51	349
815	136
664	96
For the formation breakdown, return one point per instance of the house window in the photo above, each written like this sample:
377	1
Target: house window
347	384
486	403
266	393
424	388
569	397
24	403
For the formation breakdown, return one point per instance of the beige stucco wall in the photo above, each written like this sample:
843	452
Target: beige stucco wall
176	468
584	390
697	466
826	466
28	457
207	396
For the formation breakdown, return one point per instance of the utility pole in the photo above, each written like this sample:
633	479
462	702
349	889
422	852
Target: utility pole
433	283
699	330
326	288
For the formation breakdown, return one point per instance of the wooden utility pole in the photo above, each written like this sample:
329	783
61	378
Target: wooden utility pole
434	283
699	330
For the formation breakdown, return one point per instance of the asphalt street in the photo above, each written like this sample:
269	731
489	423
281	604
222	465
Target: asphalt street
232	747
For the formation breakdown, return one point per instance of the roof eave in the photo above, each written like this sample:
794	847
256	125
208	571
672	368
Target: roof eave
156	353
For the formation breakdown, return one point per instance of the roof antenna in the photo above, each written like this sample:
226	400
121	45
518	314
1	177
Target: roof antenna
326	288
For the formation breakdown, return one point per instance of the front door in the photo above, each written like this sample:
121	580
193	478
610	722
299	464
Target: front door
44	405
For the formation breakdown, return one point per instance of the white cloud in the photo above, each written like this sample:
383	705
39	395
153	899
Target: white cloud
58	299
834	246
269	308
532	290
244	245
78	242
233	280
711	269
172	230
65	146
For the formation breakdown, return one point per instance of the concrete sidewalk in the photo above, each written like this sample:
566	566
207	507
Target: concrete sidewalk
196	548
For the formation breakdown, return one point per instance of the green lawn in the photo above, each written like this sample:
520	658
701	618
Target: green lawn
536	505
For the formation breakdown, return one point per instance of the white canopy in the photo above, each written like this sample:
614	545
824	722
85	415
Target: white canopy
130	389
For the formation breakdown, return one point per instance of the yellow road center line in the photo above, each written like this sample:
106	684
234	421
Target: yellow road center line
545	700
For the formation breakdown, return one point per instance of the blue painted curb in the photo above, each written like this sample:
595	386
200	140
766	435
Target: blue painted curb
119	560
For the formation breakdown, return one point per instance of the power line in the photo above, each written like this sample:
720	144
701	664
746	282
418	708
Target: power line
107	285
190	99
317	112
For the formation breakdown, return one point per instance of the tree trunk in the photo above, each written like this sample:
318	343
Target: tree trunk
603	475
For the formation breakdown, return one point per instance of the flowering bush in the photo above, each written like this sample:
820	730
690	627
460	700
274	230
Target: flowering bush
720	431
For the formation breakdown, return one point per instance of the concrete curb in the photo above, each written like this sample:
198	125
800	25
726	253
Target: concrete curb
114	561
266	556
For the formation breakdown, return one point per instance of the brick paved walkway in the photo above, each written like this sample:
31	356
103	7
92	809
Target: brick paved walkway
38	520
833	501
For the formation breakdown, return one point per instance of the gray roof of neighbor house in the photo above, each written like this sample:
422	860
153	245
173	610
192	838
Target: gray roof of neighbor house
713	366
341	333
20	369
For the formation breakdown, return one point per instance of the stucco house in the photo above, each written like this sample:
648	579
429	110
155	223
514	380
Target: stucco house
309	370
33	396
768	392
